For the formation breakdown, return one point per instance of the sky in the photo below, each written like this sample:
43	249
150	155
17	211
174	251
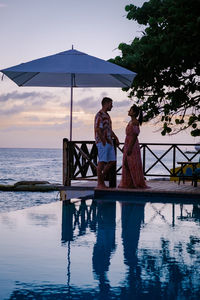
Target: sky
39	117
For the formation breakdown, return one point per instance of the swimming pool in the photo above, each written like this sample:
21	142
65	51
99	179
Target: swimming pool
101	249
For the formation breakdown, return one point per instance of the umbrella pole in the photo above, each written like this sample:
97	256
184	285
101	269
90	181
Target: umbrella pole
71	107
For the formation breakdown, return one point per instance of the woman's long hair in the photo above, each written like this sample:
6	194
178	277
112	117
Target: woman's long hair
138	113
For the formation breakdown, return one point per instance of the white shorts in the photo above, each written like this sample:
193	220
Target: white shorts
106	153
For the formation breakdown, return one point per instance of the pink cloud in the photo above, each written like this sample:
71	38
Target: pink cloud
2	5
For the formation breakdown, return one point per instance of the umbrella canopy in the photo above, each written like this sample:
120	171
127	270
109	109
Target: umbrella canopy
70	69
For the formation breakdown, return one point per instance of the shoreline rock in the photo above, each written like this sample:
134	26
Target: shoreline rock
31	186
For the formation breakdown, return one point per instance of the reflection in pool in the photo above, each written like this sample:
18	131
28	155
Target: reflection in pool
101	250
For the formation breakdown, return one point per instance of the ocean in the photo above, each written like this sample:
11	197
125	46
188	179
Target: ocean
17	164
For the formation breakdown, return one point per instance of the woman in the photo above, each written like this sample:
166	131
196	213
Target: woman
132	174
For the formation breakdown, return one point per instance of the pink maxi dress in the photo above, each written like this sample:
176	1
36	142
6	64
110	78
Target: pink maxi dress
132	173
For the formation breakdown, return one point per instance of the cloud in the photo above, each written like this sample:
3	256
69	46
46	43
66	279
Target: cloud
2	5
12	111
123	103
32	119
15	95
47	127
18	128
92	102
86	103
56	119
15	102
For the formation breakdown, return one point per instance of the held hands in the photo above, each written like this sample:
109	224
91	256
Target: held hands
109	141
103	141
115	138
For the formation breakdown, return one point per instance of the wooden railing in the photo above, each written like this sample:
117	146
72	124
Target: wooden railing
159	160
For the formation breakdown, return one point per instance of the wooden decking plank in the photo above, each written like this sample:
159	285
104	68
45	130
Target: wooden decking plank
162	188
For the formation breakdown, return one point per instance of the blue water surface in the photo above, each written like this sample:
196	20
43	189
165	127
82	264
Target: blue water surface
100	249
17	164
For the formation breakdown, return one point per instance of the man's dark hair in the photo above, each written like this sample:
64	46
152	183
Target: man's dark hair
105	100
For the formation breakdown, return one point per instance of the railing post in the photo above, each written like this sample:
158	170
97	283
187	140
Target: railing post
144	158
174	159
113	171
66	164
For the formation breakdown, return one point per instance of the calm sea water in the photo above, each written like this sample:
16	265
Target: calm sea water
90	249
28	164
18	164
46	164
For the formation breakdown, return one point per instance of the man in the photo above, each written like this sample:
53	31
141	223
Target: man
104	140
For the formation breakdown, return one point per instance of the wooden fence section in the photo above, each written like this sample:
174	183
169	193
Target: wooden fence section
159	160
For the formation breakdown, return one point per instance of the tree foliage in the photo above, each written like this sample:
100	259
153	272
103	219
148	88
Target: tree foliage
166	60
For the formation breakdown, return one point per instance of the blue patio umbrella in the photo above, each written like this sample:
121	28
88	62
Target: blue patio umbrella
72	69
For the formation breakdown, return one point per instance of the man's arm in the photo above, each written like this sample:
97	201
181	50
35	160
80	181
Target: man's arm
99	128
100	135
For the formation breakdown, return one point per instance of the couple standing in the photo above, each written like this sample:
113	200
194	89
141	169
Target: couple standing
132	174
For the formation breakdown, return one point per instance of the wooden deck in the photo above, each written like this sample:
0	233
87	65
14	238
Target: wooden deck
157	189
162	190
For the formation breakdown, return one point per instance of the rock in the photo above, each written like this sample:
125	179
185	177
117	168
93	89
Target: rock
30	182
31	186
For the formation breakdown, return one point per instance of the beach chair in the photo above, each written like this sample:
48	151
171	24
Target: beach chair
188	175
196	176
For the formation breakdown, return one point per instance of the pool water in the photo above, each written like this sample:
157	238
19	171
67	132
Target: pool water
101	250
